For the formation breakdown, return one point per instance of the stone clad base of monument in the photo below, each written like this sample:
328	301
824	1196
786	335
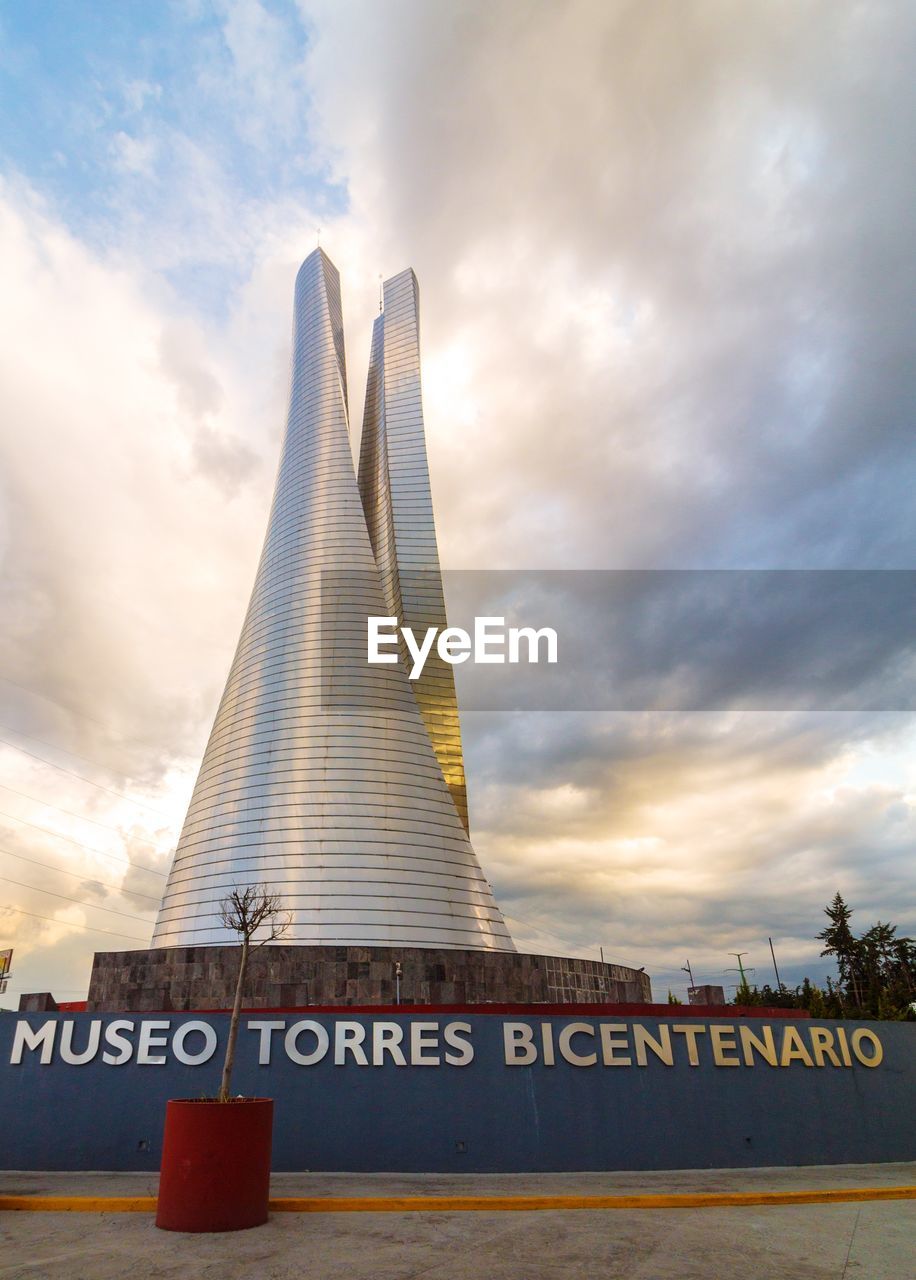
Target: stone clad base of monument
204	977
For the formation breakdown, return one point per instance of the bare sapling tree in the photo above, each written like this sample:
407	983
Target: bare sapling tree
246	912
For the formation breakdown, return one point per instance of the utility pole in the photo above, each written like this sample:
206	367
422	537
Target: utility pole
741	970
775	970
685	968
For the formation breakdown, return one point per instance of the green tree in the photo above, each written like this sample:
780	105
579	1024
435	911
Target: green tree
775	997
876	970
842	944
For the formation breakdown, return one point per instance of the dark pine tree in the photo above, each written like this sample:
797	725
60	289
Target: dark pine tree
842	943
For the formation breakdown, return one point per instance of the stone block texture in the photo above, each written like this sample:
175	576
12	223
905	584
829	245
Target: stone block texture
37	1002
176	979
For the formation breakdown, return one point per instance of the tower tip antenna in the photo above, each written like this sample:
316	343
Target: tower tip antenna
380	293
318	237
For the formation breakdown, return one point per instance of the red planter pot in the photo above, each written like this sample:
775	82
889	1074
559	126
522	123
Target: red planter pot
215	1172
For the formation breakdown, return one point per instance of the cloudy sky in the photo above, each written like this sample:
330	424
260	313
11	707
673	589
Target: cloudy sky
667	282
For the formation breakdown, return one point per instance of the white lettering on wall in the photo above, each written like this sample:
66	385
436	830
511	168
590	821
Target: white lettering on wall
365	1041
26	1038
265	1030
424	1037
149	1041
457	1035
69	1054
564	1044
115	1037
387	1038
348	1038
322	1042
518	1042
203	1055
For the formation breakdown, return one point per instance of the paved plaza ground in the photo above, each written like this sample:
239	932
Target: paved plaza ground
872	1240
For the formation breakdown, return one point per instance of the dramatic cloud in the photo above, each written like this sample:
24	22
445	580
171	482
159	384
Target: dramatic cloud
671	249
693	835
667	287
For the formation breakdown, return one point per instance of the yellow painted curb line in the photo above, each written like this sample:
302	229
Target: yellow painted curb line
478	1204
80	1204
487	1204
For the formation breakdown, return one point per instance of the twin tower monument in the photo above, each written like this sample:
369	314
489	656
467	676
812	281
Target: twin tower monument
340	786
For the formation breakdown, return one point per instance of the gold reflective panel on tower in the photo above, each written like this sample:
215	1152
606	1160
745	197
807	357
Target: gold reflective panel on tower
394	486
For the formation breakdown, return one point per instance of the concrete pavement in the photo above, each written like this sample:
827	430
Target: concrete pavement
867	1241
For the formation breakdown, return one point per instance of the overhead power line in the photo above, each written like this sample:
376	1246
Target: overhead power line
543	932
71	711
69	924
70	772
79	844
556	937
79	875
79	901
69	812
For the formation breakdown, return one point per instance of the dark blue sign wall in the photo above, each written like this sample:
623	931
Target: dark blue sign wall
466	1092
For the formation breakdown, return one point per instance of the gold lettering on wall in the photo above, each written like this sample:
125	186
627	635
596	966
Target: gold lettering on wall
564	1043
547	1038
691	1031
723	1042
822	1046
793	1049
611	1041
764	1045
661	1047
864	1035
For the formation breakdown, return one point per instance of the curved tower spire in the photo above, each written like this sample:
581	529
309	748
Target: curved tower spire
341	809
394	486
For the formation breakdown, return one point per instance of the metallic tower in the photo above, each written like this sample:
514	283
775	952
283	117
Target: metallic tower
341	809
394	486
